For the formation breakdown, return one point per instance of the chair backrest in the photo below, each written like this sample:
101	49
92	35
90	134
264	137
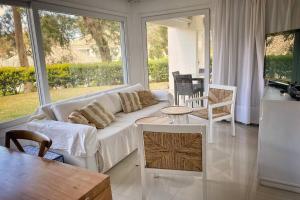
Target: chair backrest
222	93
184	84
173	147
16	135
175	73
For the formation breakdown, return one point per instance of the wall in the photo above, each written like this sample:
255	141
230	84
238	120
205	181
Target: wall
182	50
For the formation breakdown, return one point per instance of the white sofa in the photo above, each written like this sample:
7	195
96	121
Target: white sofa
87	147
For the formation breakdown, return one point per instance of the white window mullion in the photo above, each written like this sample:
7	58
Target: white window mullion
124	52
38	55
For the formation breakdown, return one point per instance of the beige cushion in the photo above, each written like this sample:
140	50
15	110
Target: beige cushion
95	113
203	113
77	118
130	102
146	98
115	102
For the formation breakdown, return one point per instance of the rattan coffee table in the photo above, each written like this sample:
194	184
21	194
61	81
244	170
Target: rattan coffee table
177	112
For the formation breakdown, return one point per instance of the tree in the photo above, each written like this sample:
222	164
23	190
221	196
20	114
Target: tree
157	37
103	32
12	36
57	30
20	46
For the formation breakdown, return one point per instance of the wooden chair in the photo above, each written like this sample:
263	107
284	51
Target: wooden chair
220	104
172	149
16	135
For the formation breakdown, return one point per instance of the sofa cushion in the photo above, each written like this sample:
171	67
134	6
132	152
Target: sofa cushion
77	118
146	98
133	88
115	103
63	109
96	114
130	102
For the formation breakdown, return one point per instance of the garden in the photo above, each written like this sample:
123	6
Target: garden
66	81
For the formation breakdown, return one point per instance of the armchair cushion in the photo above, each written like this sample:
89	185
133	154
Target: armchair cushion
203	113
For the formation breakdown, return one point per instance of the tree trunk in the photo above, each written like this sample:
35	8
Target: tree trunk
19	38
95	29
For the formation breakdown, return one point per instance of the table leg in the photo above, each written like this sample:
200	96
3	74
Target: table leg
187	119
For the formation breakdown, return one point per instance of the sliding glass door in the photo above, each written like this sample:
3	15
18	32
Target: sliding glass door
177	43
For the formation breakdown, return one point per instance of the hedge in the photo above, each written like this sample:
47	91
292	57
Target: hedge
279	67
158	70
74	75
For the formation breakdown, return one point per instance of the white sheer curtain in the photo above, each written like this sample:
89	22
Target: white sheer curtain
239	35
282	15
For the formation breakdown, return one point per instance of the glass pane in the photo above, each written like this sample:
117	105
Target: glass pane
158	64
279	57
177	46
83	54
18	92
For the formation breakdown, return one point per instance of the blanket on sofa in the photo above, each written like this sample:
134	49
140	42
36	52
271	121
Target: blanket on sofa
76	139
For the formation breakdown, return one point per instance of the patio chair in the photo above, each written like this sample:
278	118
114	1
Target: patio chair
172	149
220	106
184	87
175	73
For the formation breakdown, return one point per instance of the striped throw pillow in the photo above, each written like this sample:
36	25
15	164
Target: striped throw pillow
130	102
77	118
147	98
96	114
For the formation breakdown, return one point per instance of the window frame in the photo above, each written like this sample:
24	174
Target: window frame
32	12
37	6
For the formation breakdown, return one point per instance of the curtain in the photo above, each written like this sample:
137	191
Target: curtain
282	15
238	52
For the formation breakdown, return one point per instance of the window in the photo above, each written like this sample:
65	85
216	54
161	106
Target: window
83	54
18	92
282	57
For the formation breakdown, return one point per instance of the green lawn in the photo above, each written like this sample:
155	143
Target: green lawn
14	106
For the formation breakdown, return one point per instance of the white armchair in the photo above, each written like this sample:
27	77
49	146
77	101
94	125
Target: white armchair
220	104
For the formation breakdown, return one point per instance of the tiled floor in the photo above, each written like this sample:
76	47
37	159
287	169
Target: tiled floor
231	170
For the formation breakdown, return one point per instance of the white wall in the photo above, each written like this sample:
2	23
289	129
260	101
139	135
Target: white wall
182	51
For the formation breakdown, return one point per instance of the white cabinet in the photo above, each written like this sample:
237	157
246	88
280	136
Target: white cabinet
279	141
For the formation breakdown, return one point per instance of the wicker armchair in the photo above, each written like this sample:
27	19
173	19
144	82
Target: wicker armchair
173	149
220	106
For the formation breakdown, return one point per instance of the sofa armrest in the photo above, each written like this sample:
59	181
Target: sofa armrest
75	139
163	95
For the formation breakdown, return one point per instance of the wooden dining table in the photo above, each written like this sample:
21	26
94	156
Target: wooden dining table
28	177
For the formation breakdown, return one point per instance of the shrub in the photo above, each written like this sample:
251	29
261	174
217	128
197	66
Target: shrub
279	67
74	75
158	70
11	79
